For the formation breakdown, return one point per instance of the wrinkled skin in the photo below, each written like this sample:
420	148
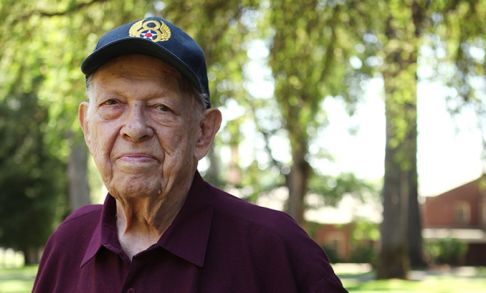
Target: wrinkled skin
146	136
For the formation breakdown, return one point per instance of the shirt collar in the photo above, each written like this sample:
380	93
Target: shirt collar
105	233
186	237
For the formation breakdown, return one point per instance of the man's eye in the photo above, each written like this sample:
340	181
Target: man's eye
110	102
161	108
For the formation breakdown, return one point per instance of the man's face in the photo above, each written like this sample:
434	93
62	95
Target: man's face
140	128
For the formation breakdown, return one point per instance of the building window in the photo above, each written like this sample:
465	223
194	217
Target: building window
462	213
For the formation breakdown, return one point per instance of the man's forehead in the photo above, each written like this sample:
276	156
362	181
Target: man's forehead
142	66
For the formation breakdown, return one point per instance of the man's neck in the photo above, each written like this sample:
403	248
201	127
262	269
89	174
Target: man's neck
142	221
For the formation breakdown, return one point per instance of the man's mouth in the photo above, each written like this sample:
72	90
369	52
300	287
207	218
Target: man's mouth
137	158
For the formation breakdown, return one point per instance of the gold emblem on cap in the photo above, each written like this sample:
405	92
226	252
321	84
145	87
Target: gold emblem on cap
150	29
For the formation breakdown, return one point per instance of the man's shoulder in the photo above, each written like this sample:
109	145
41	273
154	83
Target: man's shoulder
65	249
272	238
81	221
83	214
267	220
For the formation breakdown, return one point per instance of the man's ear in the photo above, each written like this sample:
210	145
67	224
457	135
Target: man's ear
83	120
209	126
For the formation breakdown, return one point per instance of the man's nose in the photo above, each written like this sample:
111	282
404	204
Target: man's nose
135	128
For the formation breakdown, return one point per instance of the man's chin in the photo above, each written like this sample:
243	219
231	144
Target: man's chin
134	187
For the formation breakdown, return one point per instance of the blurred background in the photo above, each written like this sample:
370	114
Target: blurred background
363	119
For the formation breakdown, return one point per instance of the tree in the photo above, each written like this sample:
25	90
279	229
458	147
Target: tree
402	32
408	25
31	178
46	28
461	31
311	44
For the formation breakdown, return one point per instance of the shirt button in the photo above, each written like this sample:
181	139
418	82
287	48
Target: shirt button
131	290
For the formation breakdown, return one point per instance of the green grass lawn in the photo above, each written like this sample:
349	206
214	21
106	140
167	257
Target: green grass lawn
18	280
431	284
464	280
355	279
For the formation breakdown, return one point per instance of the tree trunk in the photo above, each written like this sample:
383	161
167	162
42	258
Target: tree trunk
393	253
415	240
400	182
79	194
297	183
31	256
415	249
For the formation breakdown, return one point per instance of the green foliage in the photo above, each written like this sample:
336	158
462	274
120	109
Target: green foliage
460	31
364	236
364	230
32	179
311	45
333	188
446	251
363	252
331	253
303	50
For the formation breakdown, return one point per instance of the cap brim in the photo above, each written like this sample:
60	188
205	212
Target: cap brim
131	45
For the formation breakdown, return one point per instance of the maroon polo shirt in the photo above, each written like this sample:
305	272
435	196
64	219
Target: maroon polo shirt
217	243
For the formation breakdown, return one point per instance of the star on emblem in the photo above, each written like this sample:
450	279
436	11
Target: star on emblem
149	34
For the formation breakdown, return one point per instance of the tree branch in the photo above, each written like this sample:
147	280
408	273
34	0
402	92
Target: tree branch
329	58
44	13
266	137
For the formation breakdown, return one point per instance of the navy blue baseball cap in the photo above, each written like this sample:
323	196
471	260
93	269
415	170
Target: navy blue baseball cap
156	37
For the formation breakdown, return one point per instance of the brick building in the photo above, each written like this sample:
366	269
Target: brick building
459	213
336	228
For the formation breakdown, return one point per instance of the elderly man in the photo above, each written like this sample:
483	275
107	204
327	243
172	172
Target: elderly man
147	123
